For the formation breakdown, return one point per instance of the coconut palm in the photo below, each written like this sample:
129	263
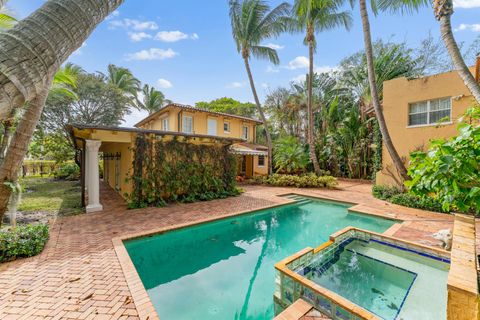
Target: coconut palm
253	22
311	17
28	64
372	80
6	20
152	101
443	10
123	79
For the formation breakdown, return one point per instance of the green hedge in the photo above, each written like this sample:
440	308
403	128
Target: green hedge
309	180
22	241
397	196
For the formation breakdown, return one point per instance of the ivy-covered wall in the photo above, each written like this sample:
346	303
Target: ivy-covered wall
172	171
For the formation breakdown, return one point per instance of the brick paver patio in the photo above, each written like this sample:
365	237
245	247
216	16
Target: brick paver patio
78	276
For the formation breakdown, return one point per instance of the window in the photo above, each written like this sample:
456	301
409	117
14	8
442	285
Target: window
245	133
187	124
261	161
429	112
226	127
165	124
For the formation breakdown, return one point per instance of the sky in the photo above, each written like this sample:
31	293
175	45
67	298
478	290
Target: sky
185	48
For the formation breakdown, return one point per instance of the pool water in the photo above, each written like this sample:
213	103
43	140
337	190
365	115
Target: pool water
389	282
225	269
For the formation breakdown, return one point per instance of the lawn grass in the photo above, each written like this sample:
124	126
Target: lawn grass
51	195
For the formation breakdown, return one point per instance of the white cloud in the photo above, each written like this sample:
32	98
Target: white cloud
265	85
138	36
163	83
322	69
471	27
132	24
271	69
274	46
466	4
235	85
79	50
300	62
152	54
174	36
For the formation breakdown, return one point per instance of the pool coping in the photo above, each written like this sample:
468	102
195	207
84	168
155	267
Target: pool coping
140	297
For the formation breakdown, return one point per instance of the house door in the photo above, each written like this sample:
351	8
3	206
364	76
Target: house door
212	127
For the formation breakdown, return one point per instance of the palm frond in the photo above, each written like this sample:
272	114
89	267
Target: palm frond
6	21
402	6
266	53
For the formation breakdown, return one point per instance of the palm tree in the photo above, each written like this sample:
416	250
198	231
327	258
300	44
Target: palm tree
443	10
315	16
253	22
28	64
123	79
375	99
6	20
152	101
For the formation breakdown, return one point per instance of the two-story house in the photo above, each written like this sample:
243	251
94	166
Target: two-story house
194	125
419	110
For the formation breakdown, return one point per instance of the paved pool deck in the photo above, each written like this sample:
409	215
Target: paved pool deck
79	276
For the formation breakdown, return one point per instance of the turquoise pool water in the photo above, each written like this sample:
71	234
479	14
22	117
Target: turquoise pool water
225	269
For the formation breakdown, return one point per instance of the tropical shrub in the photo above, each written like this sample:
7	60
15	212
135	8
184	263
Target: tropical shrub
450	170
397	196
290	155
22	241
177	171
309	180
413	201
68	171
385	192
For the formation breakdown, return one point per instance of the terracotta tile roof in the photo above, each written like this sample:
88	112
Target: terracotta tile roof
157	132
192	108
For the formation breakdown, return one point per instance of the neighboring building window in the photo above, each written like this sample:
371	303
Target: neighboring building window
261	161
226	127
165	126
245	133
187	124
429	112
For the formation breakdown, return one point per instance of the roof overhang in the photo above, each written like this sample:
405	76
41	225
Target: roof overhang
81	132
248	149
194	109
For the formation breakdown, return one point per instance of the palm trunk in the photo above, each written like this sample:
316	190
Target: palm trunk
397	161
7	126
35	47
456	56
19	146
311	123
262	115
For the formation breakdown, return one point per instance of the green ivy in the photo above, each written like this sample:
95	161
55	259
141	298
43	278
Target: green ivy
180	171
22	241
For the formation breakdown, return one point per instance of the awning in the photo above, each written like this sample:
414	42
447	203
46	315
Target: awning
249	149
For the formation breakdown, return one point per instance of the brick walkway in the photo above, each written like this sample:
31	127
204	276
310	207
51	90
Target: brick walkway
78	276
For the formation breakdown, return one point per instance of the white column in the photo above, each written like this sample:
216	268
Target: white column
92	176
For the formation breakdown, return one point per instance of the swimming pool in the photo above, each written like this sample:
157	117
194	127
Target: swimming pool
225	269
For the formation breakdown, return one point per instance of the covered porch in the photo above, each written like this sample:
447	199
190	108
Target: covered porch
106	154
252	159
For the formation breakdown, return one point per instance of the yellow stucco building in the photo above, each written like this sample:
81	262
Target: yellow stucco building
114	145
419	110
